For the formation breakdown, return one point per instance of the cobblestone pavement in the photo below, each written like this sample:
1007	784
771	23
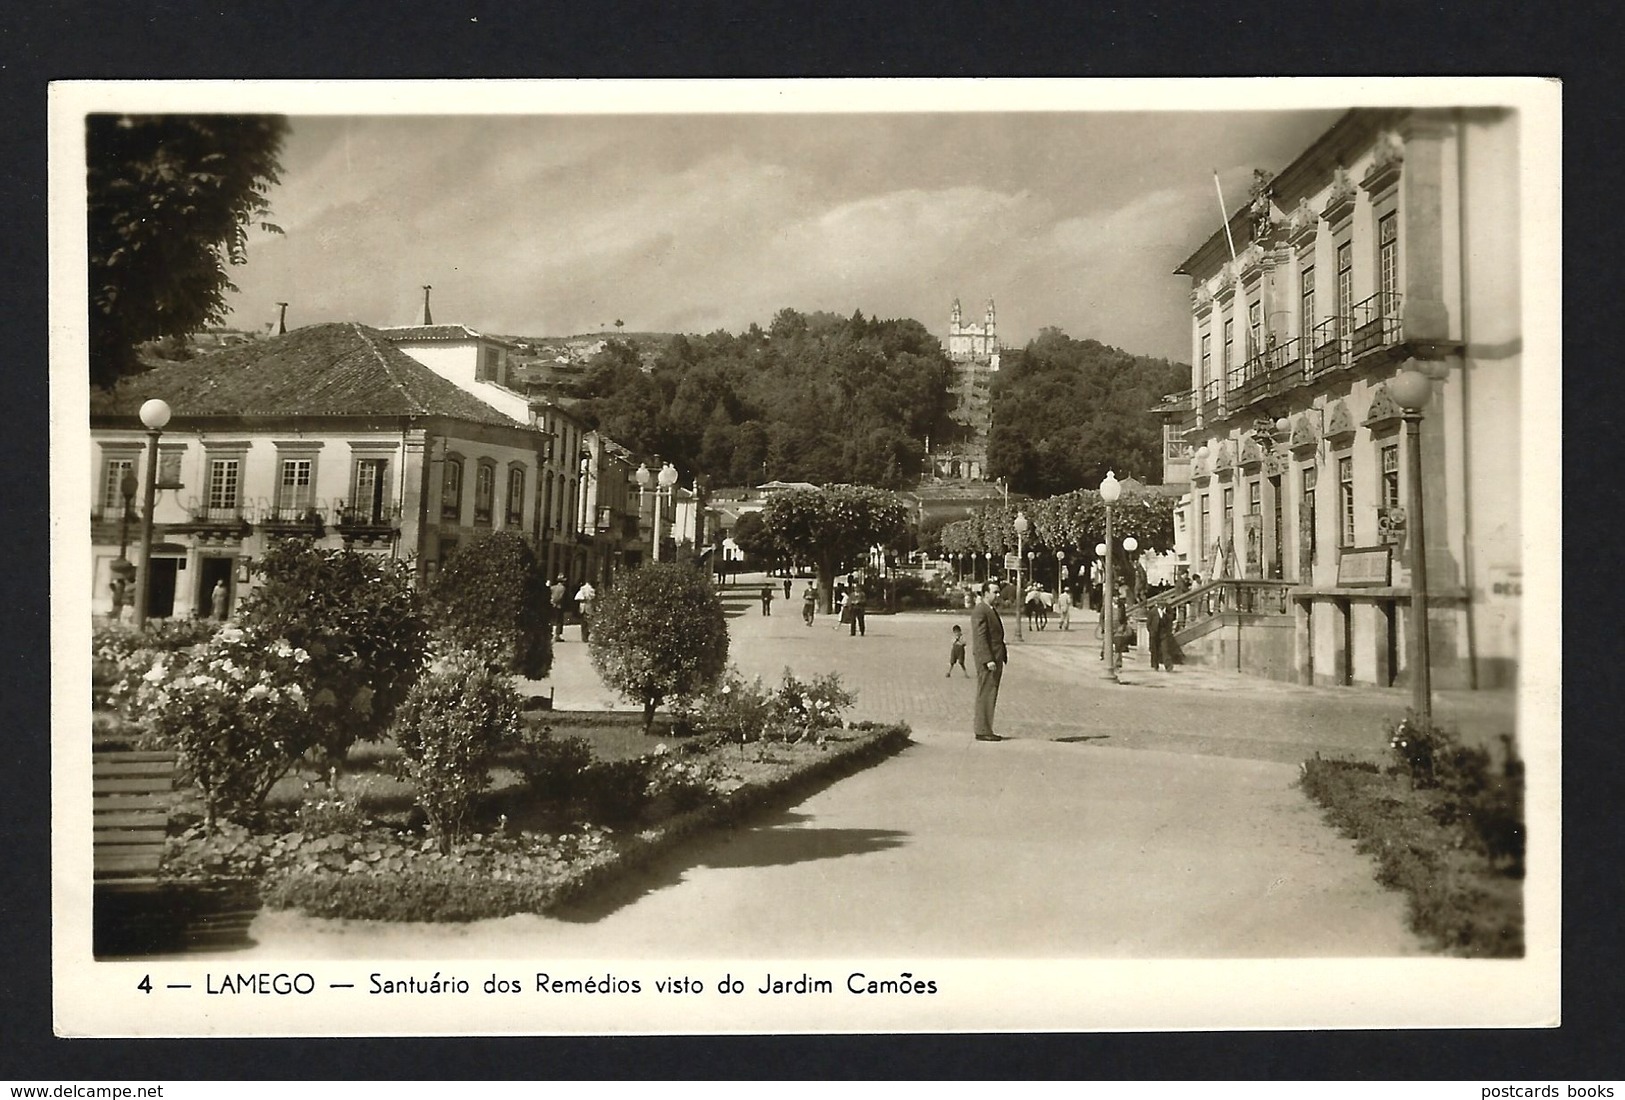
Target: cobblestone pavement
1055	688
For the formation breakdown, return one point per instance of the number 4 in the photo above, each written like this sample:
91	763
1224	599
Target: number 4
145	984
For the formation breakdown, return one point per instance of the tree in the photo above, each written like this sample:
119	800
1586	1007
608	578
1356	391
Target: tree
491	597
361	621
834	527
751	535
661	633
170	202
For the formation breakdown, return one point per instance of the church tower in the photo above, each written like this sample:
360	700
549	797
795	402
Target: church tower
974	350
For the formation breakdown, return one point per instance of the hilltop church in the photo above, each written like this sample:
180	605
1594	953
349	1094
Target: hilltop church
974	350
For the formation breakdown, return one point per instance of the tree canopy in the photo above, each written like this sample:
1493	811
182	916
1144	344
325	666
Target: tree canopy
171	199
1074	523
816	397
834	527
1065	411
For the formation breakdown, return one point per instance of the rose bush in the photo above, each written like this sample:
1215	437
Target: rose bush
237	713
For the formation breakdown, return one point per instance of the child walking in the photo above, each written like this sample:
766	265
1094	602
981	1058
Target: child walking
956	653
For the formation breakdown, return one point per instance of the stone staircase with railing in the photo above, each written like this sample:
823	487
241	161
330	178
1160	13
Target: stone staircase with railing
1242	625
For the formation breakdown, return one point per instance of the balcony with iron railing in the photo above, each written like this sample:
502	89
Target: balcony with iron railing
1375	323
372	519
1213	399
1330	346
292	519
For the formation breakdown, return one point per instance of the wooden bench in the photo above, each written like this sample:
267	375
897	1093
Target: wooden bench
133	794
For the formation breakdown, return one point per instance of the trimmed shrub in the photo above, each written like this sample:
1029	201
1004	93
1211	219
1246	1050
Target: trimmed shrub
449	729
491	598
360	619
661	633
552	766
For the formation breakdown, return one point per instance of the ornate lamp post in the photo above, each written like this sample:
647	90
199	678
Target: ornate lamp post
663	481
1110	490
1412	389
1130	545
1020	525
154	414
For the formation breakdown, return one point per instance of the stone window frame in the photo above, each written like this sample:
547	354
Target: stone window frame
295	450
361	452
110	499
1346	500
512	518
485	484
451	503
235	453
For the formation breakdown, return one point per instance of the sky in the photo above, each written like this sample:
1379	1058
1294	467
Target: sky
556	225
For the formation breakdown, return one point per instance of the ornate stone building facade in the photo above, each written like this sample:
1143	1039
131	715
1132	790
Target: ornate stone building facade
1391	241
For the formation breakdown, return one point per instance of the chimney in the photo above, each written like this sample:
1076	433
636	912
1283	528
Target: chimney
282	319
427	319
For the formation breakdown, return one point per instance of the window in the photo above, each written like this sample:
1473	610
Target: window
1390	476
451	490
1207	359
1228	531
1229	346
487	370
113	484
516	496
1345	283
1255	498
223	479
1306	301
1345	501
370	491
294	491
485	478
1388	264
1255	328
1201	526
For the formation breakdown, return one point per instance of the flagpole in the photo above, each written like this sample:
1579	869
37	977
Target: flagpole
1225	214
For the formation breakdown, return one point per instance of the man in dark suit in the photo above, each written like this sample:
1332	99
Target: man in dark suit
987	647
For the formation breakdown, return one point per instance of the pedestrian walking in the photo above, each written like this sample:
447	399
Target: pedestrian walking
767	599
220	600
988	649
556	596
586	604
1063	607
855	602
843	613
1153	634
787	588
956	653
809	604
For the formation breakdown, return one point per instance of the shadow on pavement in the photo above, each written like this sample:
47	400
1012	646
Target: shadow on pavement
776	840
1083	737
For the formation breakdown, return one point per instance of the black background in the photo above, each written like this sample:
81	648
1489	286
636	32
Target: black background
280	39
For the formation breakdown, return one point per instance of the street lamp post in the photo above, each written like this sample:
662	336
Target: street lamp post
663	481
1020	525
1110	490
154	414
1412	389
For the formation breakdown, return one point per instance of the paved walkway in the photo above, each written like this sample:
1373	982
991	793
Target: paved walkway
1156	818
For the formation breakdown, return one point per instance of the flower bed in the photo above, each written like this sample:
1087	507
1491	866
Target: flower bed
395	874
1445	827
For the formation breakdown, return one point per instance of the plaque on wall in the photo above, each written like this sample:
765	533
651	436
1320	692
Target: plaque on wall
1252	526
1364	567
